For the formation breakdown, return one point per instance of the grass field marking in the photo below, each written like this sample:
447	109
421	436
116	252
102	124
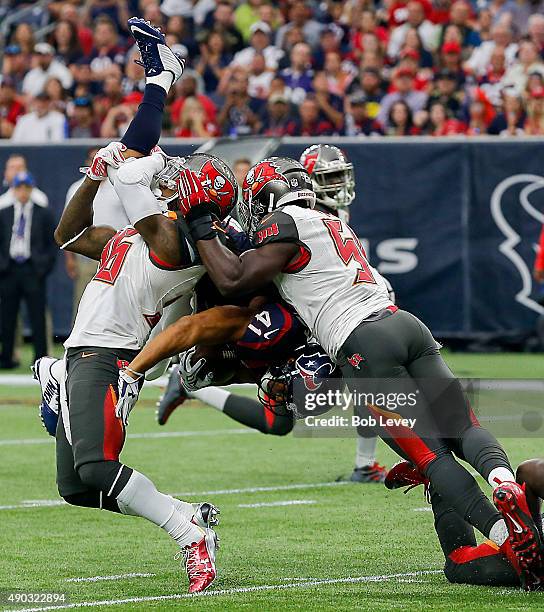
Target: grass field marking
48	503
116	577
289	487
424	509
234	591
286	502
151	435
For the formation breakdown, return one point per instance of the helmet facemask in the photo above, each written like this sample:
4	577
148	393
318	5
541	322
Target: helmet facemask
334	186
167	179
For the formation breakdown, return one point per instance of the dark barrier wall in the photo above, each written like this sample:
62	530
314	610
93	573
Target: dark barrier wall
453	225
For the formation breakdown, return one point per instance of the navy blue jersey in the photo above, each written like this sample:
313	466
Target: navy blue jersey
271	337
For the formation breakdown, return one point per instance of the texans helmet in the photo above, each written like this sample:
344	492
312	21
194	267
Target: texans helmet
216	178
271	184
310	370
332	175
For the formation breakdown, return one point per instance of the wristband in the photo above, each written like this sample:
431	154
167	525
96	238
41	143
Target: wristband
202	227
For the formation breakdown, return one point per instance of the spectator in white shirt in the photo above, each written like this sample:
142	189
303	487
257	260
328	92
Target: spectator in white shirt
15	164
501	36
41	125
428	32
45	67
260	43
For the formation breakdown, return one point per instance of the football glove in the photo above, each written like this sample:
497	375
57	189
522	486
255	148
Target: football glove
193	375
112	155
128	389
191	192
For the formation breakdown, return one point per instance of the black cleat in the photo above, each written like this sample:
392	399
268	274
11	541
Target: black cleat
174	395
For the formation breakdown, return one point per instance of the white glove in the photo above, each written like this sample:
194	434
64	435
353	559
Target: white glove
189	371
128	389
112	155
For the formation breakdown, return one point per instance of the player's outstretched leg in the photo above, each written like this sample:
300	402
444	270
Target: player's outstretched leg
162	69
276	421
367	470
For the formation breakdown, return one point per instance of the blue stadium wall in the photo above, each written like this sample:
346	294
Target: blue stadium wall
453	224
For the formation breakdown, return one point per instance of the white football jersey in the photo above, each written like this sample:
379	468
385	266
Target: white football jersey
331	285
125	299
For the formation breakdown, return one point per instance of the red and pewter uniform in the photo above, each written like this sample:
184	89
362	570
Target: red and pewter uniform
331	284
126	297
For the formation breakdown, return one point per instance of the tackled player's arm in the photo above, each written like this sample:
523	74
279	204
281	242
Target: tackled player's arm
133	186
75	231
217	325
234	275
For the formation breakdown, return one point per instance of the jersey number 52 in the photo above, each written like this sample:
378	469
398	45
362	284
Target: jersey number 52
349	249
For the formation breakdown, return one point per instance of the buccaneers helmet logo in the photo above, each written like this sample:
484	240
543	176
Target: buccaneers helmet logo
218	187
259	176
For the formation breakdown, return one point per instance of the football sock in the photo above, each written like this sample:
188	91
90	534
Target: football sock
365	452
144	130
484	453
139	497
213	396
499	475
164	80
499	532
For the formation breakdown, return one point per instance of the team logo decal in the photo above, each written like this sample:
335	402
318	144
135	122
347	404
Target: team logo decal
259	176
220	189
528	184
309	161
355	360
311	367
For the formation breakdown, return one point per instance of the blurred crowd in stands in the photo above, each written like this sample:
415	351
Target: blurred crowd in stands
290	67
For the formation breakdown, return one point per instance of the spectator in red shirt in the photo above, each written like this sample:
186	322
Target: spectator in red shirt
187	87
10	107
450	59
193	122
441	123
70	13
310	122
534	123
368	25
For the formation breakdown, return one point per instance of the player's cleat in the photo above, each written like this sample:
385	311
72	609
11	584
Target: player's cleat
200	562
174	395
524	547
404	474
206	515
374	473
156	56
50	404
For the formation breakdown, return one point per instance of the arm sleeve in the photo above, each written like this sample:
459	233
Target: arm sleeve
132	182
539	261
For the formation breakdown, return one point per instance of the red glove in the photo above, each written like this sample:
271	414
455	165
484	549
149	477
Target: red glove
191	192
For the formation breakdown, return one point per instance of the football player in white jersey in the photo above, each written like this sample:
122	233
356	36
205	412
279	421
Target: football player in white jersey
141	269
321	269
333	181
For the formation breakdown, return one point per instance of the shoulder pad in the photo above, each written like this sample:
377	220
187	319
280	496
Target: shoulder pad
276	227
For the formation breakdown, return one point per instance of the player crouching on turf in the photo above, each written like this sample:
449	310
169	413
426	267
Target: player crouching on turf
320	268
141	268
467	562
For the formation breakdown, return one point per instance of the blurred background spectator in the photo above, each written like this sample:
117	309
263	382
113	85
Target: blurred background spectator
258	62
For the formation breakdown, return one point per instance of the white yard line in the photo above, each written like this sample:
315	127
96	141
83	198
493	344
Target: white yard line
116	577
424	509
287	502
47	503
236	591
157	435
